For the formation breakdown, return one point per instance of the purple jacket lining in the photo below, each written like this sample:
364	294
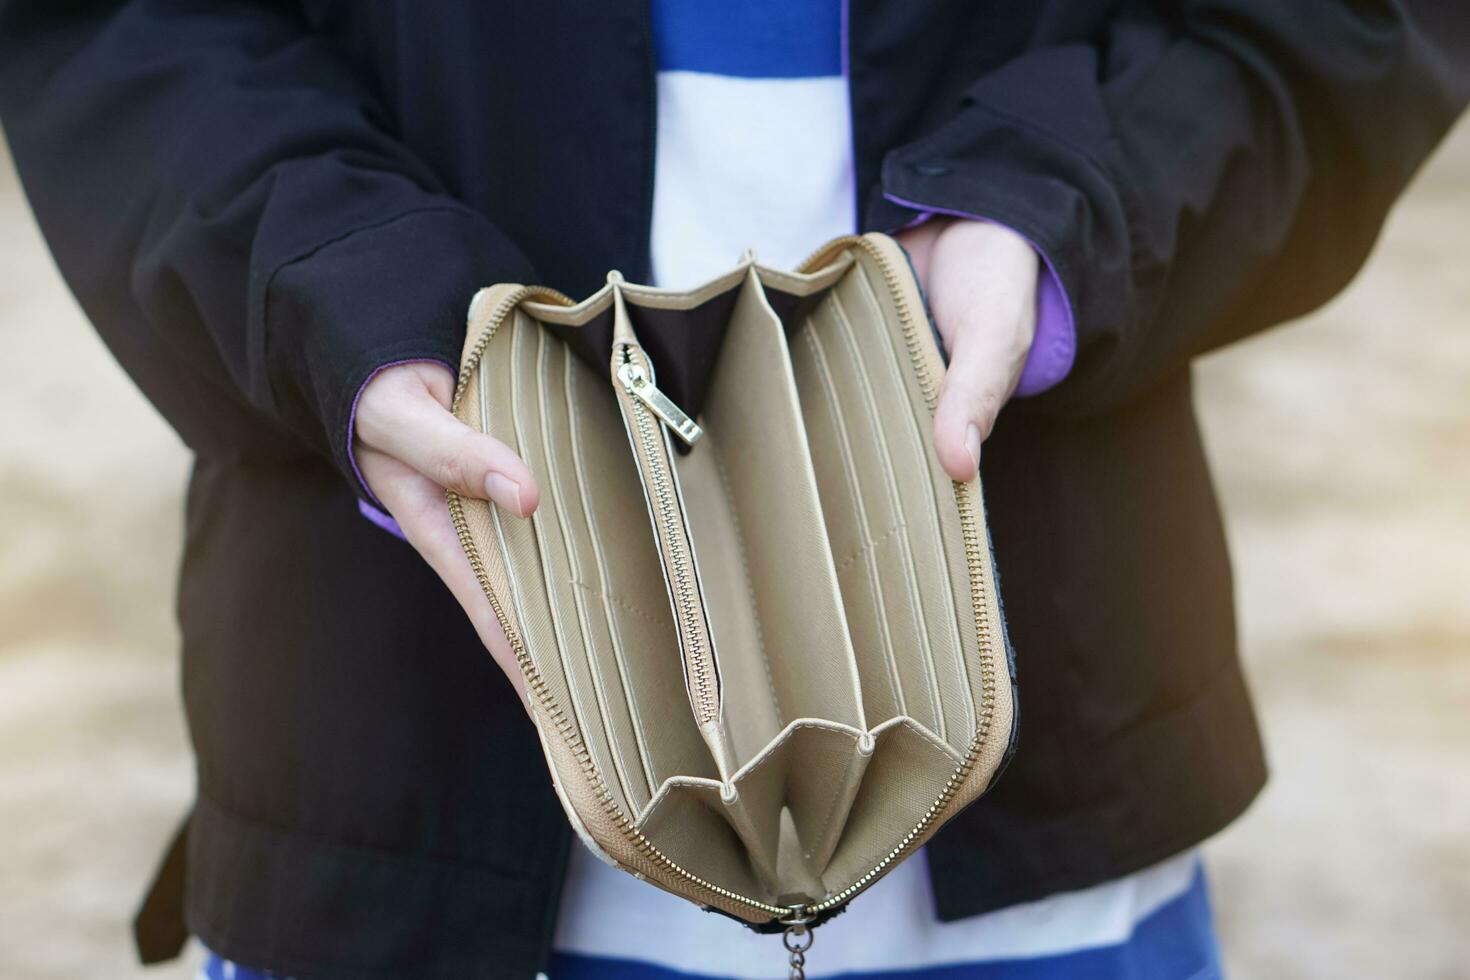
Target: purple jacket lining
1054	346
381	518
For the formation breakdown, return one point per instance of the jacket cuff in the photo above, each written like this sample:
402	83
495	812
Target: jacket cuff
1057	193
387	293
1054	344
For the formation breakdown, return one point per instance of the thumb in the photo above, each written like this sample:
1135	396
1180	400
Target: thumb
977	384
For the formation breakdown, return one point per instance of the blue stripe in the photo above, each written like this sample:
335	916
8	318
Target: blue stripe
1174	942
214	969
749	38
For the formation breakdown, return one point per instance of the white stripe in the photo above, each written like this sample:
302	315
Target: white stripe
891	927
763	163
767	163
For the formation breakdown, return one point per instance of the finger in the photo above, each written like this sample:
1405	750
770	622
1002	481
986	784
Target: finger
419	507
981	376
421	432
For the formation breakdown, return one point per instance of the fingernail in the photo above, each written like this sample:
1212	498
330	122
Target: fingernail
505	492
972	443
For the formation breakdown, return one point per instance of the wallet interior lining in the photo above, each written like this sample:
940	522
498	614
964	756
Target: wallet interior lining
753	471
814	471
580	532
878	494
543	433
883	518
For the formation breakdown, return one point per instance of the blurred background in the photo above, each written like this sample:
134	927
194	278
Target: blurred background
1342	449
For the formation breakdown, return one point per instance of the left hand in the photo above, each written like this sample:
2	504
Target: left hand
409	447
981	282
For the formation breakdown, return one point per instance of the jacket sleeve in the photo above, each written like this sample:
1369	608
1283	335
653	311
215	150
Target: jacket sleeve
1199	170
224	194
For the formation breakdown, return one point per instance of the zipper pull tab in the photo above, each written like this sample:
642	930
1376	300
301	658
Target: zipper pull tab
641	387
797	939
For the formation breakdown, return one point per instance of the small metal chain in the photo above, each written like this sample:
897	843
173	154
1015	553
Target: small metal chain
797	940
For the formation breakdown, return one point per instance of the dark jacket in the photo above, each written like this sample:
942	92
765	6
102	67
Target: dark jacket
259	203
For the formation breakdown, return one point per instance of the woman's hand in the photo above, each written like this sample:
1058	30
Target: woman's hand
981	283
409	448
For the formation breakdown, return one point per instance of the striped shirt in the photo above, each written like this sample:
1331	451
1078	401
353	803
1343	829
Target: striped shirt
1153	925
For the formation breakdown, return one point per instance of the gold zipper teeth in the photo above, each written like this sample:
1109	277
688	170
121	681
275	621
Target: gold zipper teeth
568	730
982	731
534	681
502	309
971	536
681	567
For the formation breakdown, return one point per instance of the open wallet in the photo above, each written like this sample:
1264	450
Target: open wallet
759	625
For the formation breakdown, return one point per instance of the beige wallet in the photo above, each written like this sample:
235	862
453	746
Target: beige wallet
758	623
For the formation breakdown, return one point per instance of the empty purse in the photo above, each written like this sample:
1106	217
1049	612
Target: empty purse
758	623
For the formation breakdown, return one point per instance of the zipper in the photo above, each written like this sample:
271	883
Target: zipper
641	387
647	405
502	309
975	559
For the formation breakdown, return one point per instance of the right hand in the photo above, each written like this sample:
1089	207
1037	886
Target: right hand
409	448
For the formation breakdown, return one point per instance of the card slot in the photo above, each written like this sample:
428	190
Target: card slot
687	821
926	495
823	770
898	786
797	792
758	499
885	508
564	607
893	555
552	410
518	540
570	496
787	805
749	835
849	528
875	546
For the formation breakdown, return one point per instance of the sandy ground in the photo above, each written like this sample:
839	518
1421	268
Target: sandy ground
1341	447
